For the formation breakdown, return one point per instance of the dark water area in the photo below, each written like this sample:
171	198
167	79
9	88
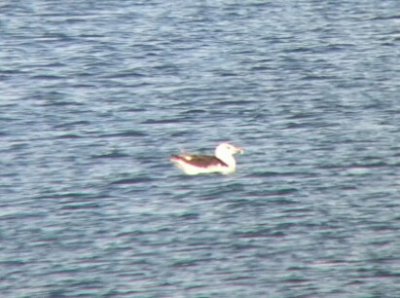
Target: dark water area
96	95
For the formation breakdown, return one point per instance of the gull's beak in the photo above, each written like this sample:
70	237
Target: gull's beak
239	150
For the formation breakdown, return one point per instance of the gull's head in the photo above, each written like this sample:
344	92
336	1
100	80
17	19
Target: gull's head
227	149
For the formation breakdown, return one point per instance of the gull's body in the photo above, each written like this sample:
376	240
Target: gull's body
222	162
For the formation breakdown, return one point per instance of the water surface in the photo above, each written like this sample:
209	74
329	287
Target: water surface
96	95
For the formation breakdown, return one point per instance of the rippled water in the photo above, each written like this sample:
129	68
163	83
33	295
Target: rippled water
95	96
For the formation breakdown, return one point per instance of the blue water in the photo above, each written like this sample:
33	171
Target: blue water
96	95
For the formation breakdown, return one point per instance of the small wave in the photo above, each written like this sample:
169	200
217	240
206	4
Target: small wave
69	136
111	155
162	121
126	133
135	180
260	232
80	205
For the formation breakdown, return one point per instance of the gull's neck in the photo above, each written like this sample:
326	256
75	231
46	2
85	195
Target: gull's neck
227	158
